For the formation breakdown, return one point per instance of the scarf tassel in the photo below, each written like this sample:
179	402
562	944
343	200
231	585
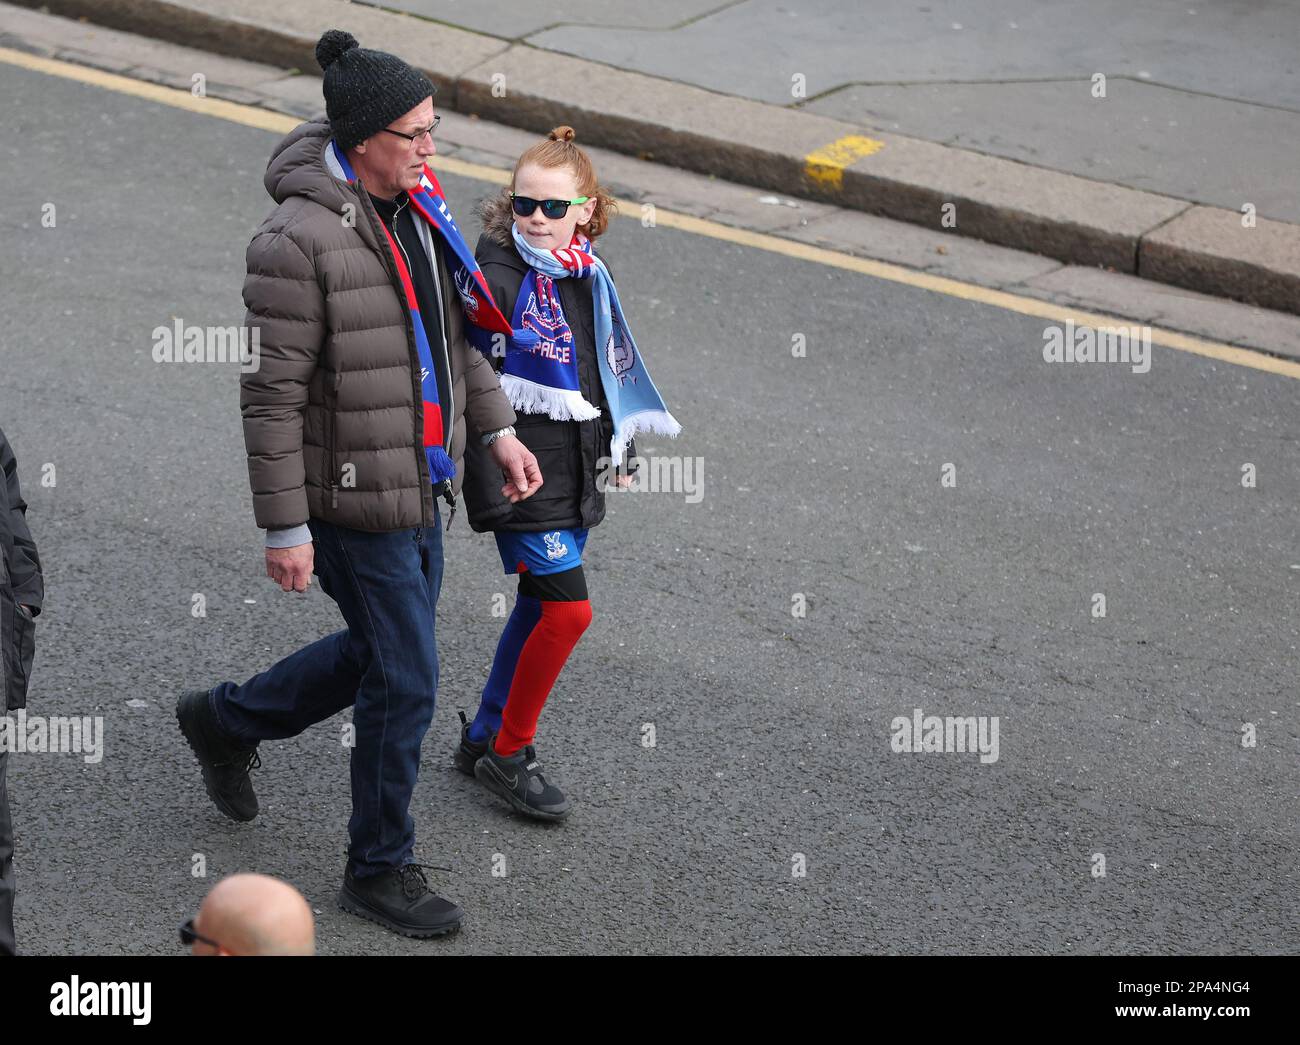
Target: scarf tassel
441	467
660	422
560	404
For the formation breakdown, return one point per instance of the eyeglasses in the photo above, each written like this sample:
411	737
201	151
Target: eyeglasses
525	205
413	138
189	935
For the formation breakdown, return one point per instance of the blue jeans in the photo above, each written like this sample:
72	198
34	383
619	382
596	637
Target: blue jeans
384	666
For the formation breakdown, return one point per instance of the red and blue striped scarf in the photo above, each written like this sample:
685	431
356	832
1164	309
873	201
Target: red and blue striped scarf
481	311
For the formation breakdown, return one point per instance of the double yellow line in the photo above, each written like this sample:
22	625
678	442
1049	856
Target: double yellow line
251	116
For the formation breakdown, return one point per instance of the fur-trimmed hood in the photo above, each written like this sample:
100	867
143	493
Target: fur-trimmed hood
497	217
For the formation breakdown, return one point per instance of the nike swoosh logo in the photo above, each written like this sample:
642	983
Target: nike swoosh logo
514	780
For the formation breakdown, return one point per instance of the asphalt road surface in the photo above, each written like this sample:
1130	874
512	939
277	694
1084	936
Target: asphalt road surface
772	813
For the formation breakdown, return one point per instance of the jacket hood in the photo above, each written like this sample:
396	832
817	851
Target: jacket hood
497	218
297	168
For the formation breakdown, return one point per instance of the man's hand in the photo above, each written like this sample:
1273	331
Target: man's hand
291	567
519	466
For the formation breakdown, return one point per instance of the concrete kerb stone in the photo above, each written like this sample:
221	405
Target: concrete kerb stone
1209	249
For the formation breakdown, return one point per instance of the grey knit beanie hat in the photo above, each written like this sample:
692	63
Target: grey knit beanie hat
365	90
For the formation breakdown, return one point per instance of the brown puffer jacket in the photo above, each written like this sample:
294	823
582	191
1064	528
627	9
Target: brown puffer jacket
338	382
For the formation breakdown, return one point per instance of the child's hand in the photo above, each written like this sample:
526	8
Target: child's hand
624	481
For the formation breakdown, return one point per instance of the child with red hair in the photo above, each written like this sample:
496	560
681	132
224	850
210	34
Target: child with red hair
581	392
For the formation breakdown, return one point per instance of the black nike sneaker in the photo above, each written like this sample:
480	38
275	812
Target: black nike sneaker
400	900
518	779
468	752
224	762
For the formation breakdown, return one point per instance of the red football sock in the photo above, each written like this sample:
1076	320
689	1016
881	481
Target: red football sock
540	661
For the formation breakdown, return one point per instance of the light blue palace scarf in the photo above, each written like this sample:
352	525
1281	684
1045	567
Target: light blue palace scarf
542	377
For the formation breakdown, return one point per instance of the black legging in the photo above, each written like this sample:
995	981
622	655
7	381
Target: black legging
565	586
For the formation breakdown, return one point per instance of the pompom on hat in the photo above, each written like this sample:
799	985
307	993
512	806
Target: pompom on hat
365	90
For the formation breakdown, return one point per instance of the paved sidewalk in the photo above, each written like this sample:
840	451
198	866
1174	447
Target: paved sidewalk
1202	100
827	146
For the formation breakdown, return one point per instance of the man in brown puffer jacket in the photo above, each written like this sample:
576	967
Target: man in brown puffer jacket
339	456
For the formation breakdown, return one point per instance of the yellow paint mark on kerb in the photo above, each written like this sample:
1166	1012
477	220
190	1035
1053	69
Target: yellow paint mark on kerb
826	165
251	116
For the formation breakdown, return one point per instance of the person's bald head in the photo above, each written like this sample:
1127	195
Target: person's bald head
250	914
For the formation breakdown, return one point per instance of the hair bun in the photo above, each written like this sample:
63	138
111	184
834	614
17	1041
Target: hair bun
562	134
332	44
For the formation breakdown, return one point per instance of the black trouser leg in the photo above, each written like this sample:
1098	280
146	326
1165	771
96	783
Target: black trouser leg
7	945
